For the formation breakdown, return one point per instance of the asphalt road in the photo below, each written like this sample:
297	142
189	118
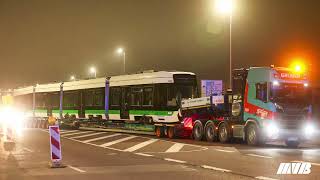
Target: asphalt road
110	155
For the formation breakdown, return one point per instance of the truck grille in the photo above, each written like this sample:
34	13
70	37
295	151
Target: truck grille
292	121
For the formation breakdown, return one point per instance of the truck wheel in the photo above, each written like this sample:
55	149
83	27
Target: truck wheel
292	144
197	131
252	135
224	133
159	131
171	133
210	132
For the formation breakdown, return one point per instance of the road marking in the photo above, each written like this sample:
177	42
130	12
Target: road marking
265	178
87	135
176	147
143	154
76	133
256	155
141	145
27	149
117	141
66	132
77	169
174	160
222	150
315	164
215	168
100	138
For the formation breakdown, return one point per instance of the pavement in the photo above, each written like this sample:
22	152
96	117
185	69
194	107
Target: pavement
112	155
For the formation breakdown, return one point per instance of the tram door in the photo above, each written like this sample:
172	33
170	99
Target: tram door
124	103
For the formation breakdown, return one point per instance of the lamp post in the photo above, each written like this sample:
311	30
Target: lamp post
121	52
226	7
93	71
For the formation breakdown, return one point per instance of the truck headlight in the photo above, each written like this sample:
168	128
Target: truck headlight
272	130
309	130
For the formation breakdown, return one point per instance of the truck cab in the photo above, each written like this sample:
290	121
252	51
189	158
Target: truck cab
272	103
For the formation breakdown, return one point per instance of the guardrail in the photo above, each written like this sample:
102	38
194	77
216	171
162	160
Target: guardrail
41	123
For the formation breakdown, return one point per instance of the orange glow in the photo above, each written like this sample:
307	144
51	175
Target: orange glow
298	66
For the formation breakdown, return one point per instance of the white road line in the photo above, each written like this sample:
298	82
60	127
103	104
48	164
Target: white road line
27	149
76	133
88	135
174	160
315	164
141	145
265	178
256	155
215	168
117	141
176	147
100	138
222	150
77	169
66	132
142	154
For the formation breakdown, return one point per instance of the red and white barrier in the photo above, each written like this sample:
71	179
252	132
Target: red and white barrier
55	146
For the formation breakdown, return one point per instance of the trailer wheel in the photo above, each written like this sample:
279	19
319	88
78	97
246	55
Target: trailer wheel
159	131
210	132
252	135
292	144
197	131
224	133
171	133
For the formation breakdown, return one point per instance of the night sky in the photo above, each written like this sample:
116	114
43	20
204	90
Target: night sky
49	40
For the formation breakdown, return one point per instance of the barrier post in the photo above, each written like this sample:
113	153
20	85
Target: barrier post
55	147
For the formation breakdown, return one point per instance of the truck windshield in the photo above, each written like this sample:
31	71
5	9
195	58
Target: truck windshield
290	93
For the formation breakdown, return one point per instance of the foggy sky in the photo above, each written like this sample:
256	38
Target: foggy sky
48	40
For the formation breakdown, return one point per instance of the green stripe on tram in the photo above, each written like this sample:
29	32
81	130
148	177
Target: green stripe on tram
102	111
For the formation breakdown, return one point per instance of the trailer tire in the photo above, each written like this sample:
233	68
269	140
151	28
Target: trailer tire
224	136
159	131
171	132
197	131
210	132
252	135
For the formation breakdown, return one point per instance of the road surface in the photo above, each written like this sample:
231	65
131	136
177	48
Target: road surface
111	155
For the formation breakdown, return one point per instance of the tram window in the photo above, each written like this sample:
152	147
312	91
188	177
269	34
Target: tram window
40	100
89	98
115	96
98	98
136	96
171	97
70	99
148	96
55	99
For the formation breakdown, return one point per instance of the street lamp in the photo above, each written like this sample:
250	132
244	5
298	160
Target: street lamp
72	78
226	7
121	52
93	71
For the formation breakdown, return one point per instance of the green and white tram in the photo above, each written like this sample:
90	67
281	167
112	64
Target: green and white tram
154	96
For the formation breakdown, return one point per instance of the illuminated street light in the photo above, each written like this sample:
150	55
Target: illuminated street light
93	71
72	78
121	52
226	7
